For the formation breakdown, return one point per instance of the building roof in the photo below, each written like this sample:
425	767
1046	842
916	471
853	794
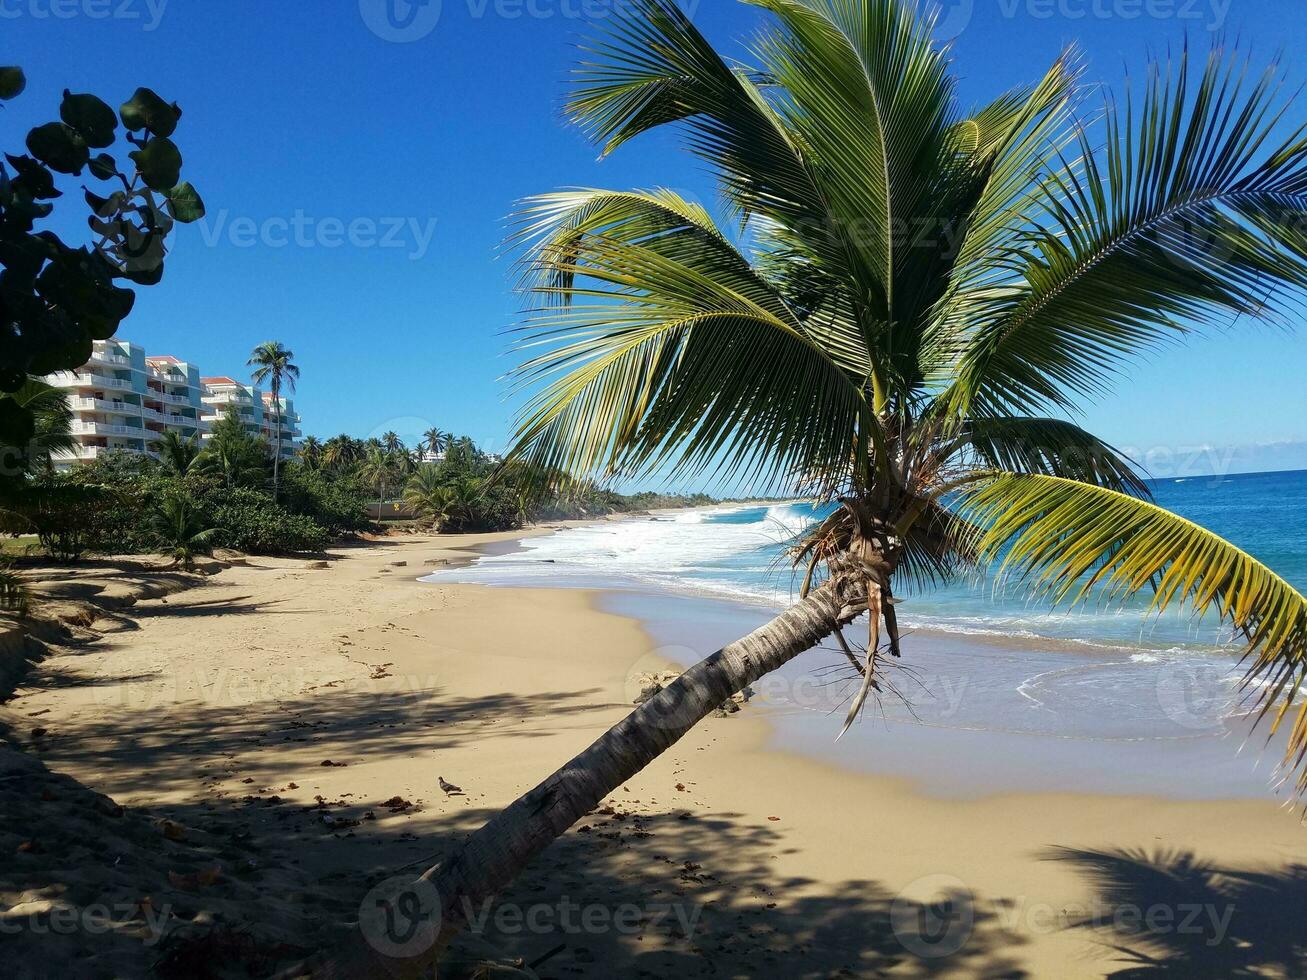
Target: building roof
166	358
221	381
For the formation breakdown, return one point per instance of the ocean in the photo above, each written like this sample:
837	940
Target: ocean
995	691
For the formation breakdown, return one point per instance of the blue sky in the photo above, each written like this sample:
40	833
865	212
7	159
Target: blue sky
357	177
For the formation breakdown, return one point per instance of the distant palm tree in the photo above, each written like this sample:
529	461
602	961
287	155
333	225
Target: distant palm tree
436	441
181	530
311	452
451	504
425	494
392	443
340	452
377	469
177	454
275	365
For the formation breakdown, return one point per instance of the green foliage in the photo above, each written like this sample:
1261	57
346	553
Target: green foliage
64	511
181	530
249	521
58	298
336	503
177	454
233	455
46	409
14	597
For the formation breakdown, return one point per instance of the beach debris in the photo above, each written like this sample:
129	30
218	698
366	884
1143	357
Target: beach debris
397	804
328	764
773	819
39	732
399	564
449	788
318	564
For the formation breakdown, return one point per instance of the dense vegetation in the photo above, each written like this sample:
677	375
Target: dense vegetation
192	498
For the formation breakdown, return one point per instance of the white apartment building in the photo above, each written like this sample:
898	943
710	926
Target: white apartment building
290	424
124	399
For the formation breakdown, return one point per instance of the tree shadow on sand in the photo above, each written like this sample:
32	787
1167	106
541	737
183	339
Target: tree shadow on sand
1172	914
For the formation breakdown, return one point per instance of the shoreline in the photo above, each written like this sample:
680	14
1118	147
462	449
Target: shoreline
977	697
221	707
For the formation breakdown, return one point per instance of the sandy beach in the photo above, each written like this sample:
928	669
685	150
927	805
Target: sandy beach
280	730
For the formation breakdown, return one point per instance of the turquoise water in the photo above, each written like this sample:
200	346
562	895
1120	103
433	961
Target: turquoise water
997	692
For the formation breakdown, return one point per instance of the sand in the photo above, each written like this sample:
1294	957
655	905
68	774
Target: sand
275	735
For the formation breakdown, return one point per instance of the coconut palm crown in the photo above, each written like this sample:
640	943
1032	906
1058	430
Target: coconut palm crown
908	301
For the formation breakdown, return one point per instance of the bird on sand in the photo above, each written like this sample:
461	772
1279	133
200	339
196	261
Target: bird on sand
449	788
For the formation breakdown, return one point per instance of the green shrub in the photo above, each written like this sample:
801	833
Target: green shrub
337	504
249	521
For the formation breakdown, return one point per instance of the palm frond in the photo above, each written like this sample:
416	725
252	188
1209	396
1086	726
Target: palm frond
1190	214
1051	447
667	349
1069	541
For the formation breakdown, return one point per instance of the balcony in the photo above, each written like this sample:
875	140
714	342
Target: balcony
104	357
100	405
176	399
81	428
66	380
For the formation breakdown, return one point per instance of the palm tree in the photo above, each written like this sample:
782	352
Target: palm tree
918	298
50	434
376	470
180	529
448	504
311	453
275	365
392	443
426	494
436	441
239	458
177	454
340	452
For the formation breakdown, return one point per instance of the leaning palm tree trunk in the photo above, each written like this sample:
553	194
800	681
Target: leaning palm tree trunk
500	850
